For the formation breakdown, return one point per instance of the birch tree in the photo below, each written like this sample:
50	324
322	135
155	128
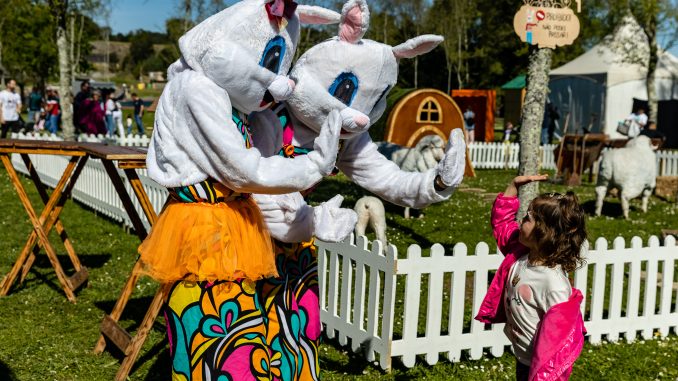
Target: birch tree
533	114
60	13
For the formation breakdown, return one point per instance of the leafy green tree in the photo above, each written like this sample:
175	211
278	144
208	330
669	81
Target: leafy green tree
27	43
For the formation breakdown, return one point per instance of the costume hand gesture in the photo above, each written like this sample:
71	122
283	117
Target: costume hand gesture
289	219
333	223
451	168
326	145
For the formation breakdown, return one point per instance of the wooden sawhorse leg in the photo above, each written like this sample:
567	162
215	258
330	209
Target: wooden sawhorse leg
58	225
43	224
129	345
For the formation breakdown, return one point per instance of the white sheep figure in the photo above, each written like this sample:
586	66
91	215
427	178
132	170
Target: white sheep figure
423	156
632	170
371	212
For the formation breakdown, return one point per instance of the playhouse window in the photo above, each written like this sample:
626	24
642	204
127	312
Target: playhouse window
429	111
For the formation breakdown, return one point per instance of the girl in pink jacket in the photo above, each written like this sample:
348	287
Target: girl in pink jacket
531	292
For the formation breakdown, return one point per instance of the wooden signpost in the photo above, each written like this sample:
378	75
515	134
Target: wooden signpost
546	27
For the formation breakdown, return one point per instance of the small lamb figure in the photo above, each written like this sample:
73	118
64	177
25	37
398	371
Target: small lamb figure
632	170
370	211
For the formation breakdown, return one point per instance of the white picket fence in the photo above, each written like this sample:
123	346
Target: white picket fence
422	305
667	163
506	155
483	155
127	141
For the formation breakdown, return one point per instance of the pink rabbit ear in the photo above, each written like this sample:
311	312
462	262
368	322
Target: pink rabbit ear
417	46
313	15
355	19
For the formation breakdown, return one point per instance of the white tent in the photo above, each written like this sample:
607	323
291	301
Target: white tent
596	90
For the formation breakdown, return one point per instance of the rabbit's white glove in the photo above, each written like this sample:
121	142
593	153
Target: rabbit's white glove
354	120
281	88
451	167
331	222
326	145
287	216
289	219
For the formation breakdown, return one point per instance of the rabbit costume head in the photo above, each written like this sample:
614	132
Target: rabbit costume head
248	48
350	73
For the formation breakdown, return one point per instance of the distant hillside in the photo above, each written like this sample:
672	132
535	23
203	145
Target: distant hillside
118	51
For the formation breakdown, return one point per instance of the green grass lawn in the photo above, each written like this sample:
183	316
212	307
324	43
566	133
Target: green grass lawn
44	337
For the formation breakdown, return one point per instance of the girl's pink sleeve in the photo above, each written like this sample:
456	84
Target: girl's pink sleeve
504	224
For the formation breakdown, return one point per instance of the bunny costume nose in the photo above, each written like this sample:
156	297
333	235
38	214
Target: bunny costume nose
361	121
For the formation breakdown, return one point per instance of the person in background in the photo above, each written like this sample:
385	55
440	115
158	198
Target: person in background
109	108
470	125
94	115
508	129
81	107
53	111
638	121
129	122
10	109
35	103
117	119
138	114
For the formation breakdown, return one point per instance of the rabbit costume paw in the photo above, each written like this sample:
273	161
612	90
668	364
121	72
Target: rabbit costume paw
290	219
451	168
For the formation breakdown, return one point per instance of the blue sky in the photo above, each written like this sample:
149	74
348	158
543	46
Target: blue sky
128	15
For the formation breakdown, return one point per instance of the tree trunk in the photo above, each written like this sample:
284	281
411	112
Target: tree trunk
416	72
71	43
651	31
533	115
59	9
449	74
78	47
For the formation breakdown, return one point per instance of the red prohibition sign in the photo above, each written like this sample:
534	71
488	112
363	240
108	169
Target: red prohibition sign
541	15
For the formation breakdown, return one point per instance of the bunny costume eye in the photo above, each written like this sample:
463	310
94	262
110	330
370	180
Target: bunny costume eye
273	54
345	87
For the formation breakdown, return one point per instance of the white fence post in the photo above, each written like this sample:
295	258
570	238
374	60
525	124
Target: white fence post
603	319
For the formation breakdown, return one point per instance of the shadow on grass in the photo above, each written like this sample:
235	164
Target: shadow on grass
91	261
6	373
43	272
355	365
162	366
135	310
613	210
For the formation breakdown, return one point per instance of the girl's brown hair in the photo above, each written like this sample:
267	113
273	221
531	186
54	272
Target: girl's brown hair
559	230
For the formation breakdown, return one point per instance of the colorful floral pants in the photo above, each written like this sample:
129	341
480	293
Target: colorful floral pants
247	330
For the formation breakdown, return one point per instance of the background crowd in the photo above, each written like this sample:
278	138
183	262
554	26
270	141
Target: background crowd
95	111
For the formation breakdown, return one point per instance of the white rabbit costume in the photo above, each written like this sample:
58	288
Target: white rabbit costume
353	75
230	66
228	317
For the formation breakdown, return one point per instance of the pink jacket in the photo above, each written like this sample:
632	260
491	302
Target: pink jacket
560	336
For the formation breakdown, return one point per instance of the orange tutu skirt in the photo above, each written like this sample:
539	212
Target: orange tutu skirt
209	242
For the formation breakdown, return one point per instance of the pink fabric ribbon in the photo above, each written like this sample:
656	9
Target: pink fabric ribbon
281	8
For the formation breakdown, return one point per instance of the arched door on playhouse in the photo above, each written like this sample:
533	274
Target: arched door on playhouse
421	113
